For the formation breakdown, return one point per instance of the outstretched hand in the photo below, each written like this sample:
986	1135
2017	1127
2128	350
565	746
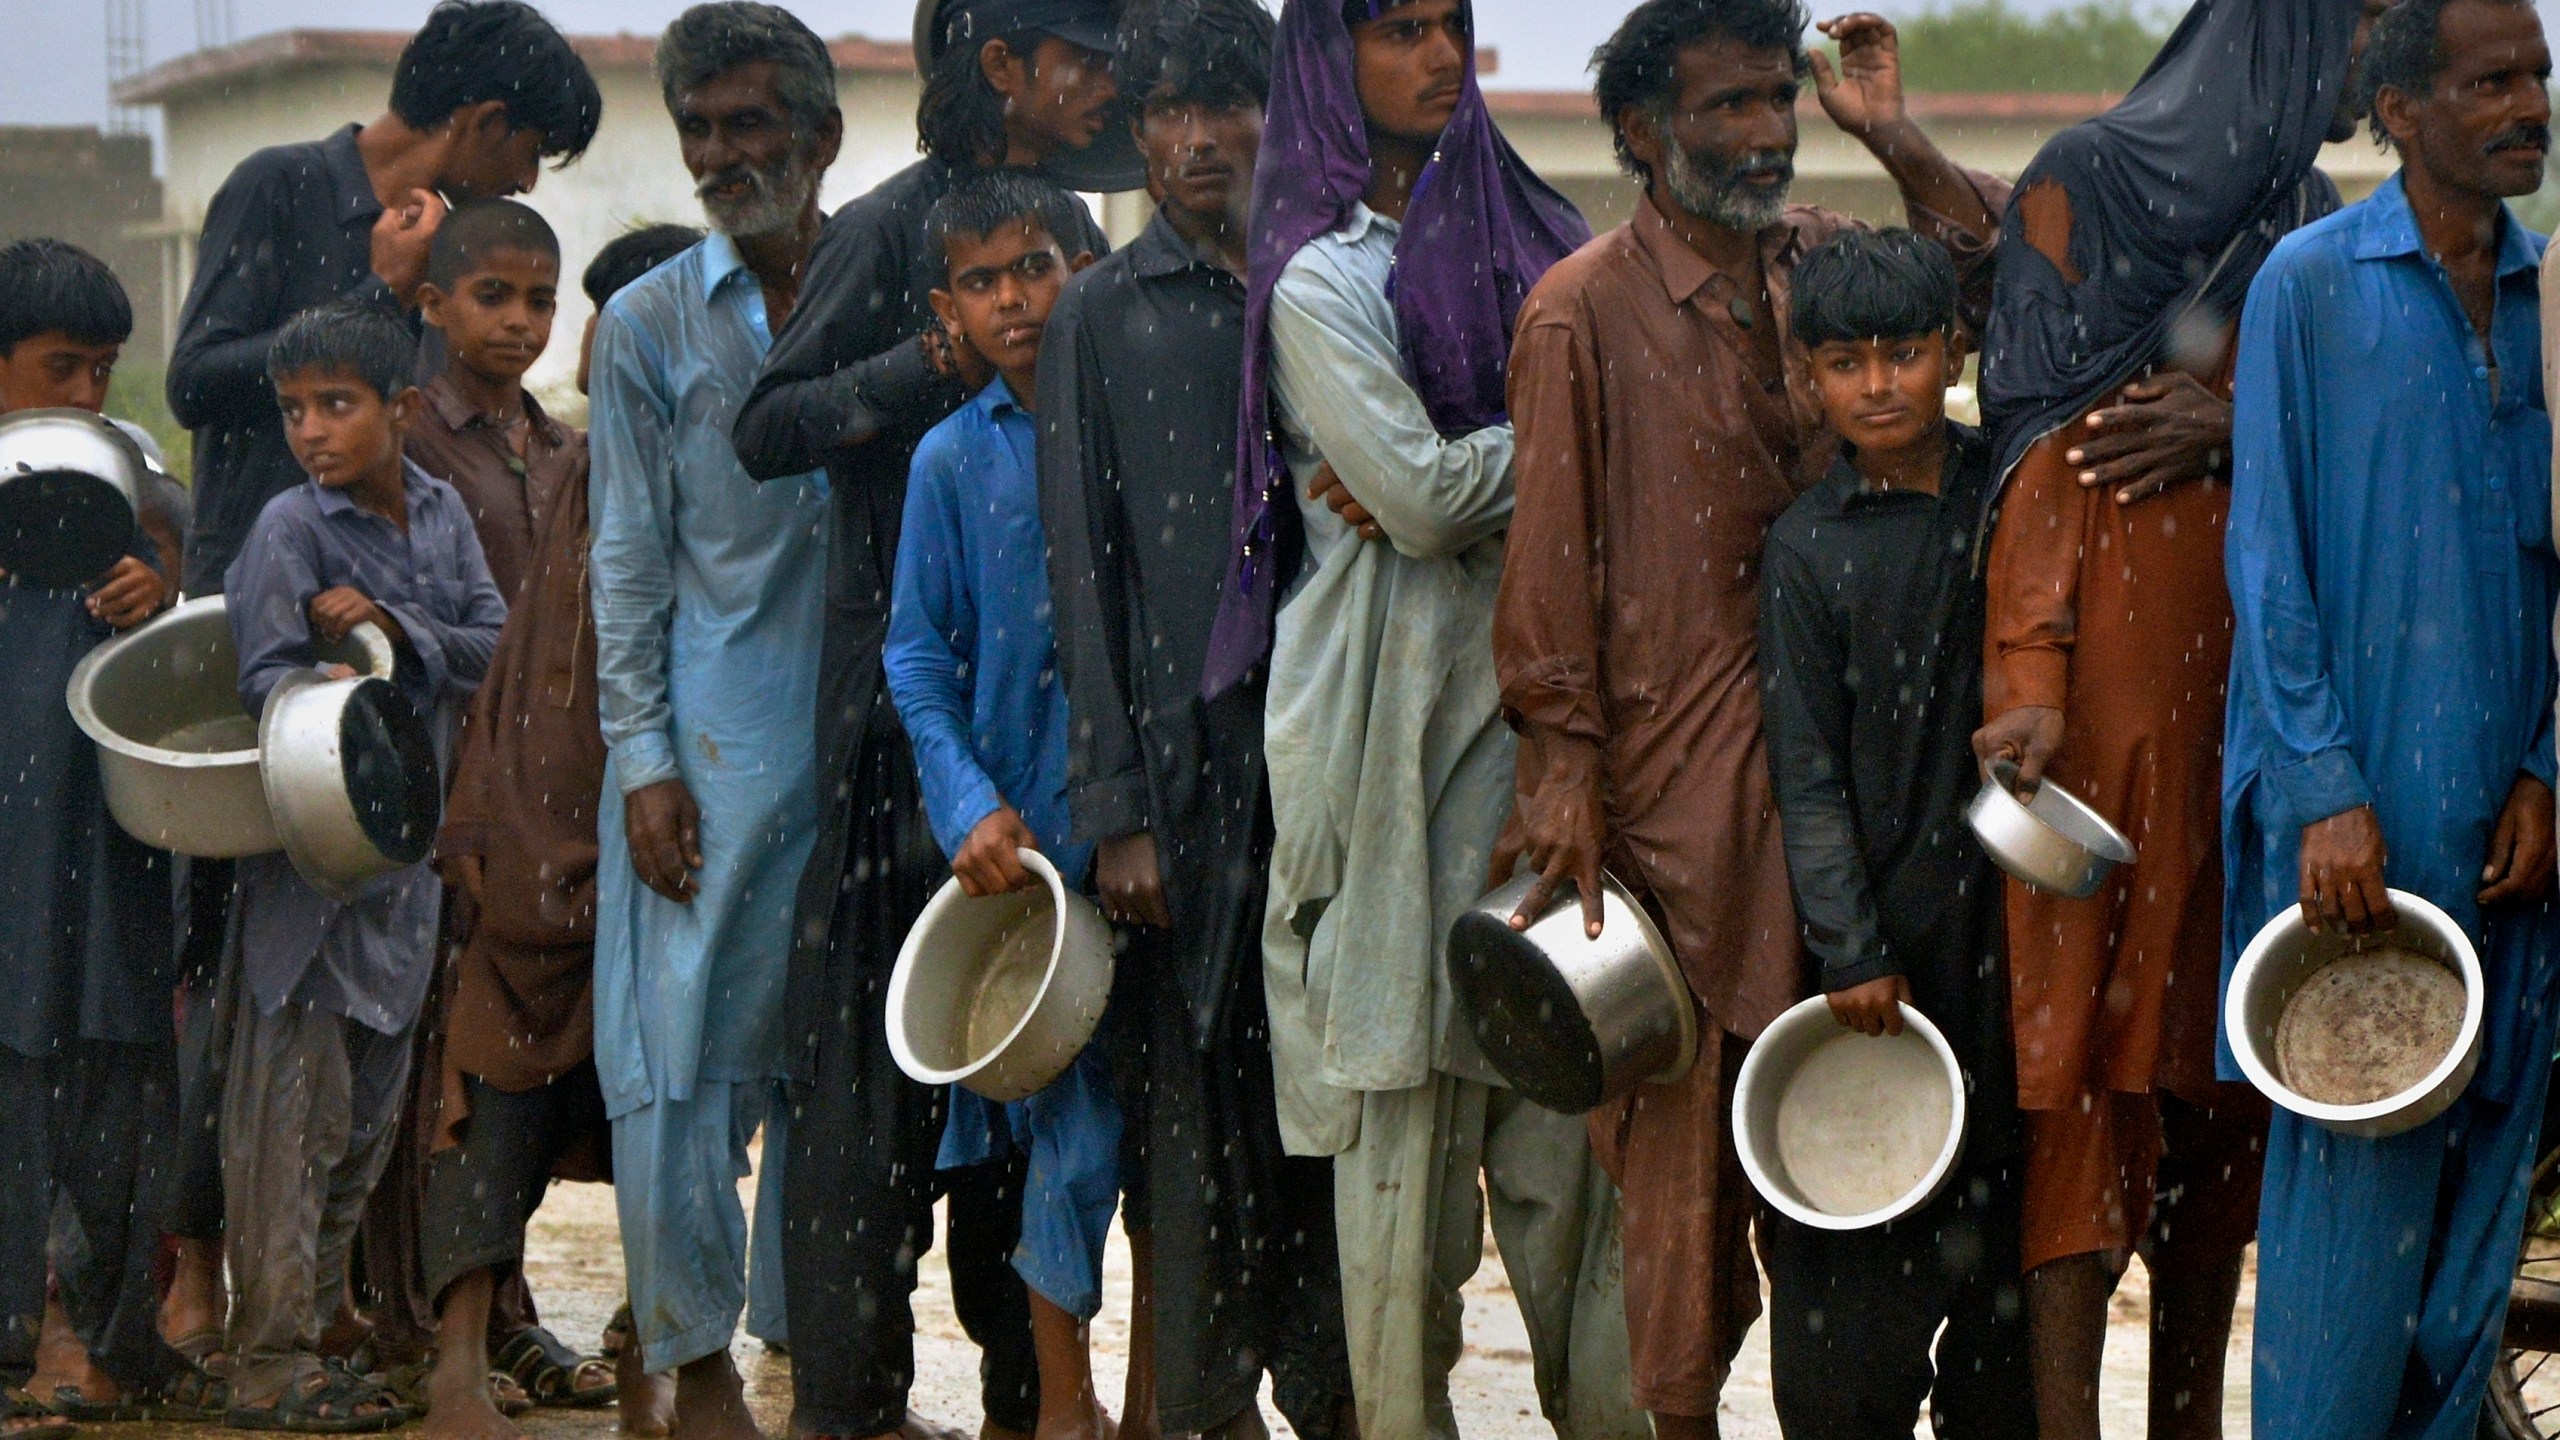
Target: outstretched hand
1863	95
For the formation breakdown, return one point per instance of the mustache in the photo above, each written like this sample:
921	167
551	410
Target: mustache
1759	164
2521	137
757	181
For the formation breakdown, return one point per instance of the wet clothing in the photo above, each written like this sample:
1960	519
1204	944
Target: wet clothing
2392	570
292	227
484	1187
509	496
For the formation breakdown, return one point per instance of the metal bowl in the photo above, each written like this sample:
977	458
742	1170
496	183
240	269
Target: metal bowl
1900	1081
177	756
2052	840
2286	951
70	487
1569	1021
1000	992
351	781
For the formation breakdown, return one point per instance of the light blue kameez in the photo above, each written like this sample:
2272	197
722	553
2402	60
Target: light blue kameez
709	600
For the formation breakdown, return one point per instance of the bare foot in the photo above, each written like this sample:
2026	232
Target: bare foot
192	1314
1245	1424
915	1427
459	1407
711	1402
647	1402
62	1363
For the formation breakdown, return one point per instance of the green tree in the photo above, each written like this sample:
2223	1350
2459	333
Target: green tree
138	394
1976	45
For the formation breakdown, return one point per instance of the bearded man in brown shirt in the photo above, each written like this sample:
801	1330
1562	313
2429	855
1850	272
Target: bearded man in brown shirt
1664	421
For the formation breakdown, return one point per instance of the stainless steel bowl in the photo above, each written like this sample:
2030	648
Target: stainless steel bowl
1807	1035
1567	1020
350	776
2286	951
1000	992
2052	840
177	756
70	487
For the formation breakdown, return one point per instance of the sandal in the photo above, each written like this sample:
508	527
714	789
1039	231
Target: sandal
71	1404
620	1333
197	1394
508	1394
330	1403
200	1344
556	1376
43	1424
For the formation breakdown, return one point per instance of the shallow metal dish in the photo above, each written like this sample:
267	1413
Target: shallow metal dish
70	487
2286	951
350	776
1771	1068
2053	841
1569	1021
953	959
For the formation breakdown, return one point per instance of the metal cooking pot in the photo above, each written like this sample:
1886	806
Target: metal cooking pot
2052	841
350	775
177	756
1899	1067
1567	1020
2286	951
70	487
999	993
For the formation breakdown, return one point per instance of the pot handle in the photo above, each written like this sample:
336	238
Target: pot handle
379	658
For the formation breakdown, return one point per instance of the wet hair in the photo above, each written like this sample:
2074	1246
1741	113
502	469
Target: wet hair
1638	67
48	285
960	117
1874	285
471	51
2406	53
351	337
1196	52
709	40
477	231
634	253
985	203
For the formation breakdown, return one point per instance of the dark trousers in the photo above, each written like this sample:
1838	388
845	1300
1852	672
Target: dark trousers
481	1193
208	963
859	1185
89	1124
1852	1315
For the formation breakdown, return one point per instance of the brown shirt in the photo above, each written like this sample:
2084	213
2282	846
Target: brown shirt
1652	459
509	498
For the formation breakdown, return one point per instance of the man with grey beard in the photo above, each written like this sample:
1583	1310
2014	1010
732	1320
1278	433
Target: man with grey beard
1664	420
709	593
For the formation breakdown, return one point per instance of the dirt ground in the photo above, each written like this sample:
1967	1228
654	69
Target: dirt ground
576	1266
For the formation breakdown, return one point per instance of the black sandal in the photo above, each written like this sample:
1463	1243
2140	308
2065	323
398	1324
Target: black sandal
333	1406
549	1371
197	1394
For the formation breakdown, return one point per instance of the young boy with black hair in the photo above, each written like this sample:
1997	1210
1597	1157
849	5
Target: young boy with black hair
329	990
87	1077
1871	662
971	659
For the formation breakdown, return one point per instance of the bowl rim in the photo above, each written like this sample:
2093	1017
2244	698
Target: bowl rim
84	711
2287	923
1755	1067
944	900
1997	797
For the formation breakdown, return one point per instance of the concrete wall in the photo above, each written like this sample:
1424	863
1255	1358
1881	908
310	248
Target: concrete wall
73	183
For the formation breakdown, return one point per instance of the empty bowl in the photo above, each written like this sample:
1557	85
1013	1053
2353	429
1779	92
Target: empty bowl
999	993
1843	1131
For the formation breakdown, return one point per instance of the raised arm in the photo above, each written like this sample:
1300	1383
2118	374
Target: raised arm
1863	96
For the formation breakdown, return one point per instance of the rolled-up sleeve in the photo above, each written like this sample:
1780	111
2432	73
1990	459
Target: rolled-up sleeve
1546	622
632	554
933	636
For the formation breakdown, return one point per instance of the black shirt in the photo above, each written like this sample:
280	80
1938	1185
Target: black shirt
292	228
1871	656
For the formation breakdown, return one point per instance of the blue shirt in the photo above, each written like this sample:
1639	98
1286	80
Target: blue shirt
367	960
2393	578
972	659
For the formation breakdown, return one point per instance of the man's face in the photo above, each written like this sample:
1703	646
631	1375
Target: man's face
755	173
340	428
52	369
1057	94
490	159
1200	156
1886	395
1724	151
498	318
1000	290
2485	129
1410	64
2353	104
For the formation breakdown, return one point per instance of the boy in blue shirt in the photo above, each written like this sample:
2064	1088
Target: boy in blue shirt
972	664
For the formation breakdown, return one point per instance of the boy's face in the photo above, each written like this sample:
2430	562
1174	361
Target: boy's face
1200	156
340	428
497	319
1887	395
1410	65
1001	288
52	369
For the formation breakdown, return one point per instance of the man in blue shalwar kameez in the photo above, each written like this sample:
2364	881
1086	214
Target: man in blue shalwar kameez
2391	708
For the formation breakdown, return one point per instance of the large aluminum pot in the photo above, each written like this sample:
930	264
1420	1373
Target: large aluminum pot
177	755
2052	840
1000	992
70	486
350	775
1843	1131
2286	951
1567	1020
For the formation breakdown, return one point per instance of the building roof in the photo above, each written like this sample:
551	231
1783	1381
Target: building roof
1943	106
287	50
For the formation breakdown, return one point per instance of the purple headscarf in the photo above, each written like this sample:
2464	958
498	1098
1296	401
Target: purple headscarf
1480	231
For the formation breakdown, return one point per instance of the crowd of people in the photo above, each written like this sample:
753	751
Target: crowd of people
1363	533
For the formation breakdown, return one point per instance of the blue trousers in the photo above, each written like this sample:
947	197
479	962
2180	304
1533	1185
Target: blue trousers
1070	1131
676	1168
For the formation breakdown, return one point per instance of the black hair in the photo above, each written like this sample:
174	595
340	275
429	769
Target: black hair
709	40
355	337
634	253
471	51
1356	13
48	285
985	203
2406	53
473	233
1874	285
1638	67
1198	52
959	116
